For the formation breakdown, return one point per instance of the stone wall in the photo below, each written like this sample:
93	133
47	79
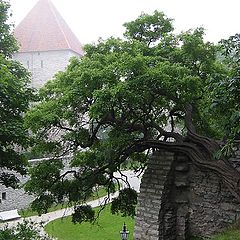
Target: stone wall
44	65
14	198
152	201
17	198
177	200
212	206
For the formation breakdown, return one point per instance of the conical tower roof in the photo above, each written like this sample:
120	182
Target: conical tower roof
44	29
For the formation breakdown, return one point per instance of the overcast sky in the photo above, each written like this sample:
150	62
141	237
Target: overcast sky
91	19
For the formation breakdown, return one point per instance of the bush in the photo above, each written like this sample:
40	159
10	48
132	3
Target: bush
23	231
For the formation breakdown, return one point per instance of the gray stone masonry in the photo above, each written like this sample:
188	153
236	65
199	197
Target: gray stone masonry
153	189
17	198
14	198
44	65
178	201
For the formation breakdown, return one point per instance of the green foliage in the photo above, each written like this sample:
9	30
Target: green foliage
8	44
125	203
45	179
83	213
24	231
149	28
15	95
226	92
97	193
49	172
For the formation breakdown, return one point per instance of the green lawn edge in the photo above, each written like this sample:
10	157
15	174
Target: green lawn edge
107	227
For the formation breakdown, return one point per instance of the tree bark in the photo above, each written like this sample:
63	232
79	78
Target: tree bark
202	156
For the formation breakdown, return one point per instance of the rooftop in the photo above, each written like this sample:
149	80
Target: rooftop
44	29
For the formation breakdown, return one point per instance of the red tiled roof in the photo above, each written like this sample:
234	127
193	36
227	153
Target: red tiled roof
44	29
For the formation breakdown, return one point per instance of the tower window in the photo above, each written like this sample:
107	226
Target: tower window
4	196
27	63
38	53
41	63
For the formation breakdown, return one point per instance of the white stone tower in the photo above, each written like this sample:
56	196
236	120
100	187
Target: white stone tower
46	43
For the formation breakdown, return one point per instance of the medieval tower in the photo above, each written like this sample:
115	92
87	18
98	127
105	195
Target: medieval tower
46	43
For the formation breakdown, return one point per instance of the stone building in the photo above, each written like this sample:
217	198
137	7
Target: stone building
46	46
46	43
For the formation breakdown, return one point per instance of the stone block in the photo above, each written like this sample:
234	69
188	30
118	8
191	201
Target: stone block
182	198
182	167
181	183
226	206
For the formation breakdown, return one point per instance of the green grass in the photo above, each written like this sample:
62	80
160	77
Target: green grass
107	228
228	235
28	212
231	233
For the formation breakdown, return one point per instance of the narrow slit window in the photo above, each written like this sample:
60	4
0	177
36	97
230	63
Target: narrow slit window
4	196
41	63
28	64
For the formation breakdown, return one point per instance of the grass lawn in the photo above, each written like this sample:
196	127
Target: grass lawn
107	228
228	235
231	233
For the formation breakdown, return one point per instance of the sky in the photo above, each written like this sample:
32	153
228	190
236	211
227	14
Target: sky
92	19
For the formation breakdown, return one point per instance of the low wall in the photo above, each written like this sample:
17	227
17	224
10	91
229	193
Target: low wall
177	200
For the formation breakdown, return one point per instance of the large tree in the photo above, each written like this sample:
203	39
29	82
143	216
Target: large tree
14	101
124	99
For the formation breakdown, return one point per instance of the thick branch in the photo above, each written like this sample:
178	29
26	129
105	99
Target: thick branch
178	137
222	168
208	144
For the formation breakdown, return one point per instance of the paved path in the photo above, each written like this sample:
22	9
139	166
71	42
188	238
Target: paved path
133	180
44	219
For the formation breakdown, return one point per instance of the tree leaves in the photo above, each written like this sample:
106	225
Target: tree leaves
125	203
15	95
83	214
8	44
149	28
